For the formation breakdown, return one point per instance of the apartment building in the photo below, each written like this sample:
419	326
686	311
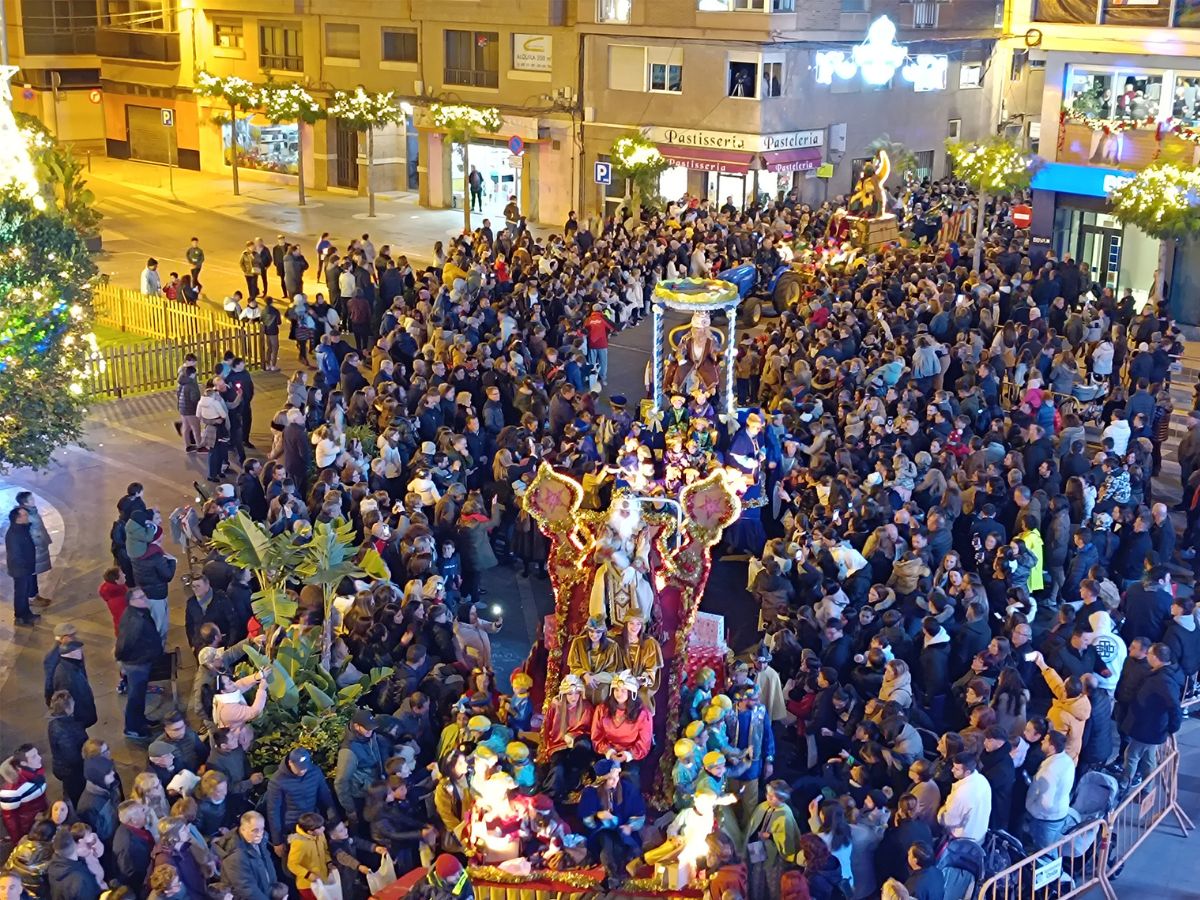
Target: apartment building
732	94
1105	89
143	55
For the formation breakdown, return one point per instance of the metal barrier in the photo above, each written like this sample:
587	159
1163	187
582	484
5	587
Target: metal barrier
1143	810
1066	868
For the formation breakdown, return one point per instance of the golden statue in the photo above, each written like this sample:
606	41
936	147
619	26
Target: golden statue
868	200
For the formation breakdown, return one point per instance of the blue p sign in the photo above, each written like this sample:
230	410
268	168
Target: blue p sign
603	173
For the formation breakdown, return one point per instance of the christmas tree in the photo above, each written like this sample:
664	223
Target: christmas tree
46	350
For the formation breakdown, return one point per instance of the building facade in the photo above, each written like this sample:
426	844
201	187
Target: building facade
730	91
1105	90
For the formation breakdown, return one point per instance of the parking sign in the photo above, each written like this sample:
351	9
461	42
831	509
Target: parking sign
168	118
603	173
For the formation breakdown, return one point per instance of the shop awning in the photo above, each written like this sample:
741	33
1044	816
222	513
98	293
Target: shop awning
703	159
802	159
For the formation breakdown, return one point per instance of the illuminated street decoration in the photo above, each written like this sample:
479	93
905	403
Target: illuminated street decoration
16	165
878	57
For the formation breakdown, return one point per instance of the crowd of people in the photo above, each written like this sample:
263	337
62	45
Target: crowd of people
965	602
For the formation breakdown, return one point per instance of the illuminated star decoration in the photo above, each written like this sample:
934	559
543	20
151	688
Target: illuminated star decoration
877	59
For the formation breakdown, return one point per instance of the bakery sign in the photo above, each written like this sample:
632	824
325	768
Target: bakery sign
730	140
532	52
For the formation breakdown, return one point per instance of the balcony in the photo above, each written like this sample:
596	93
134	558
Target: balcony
1126	145
140	46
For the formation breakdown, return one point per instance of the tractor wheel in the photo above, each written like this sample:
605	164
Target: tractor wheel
750	312
788	290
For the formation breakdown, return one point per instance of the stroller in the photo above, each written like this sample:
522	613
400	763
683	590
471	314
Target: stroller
962	867
1096	796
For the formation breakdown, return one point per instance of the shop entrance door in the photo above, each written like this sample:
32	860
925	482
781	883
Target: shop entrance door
1100	248
347	156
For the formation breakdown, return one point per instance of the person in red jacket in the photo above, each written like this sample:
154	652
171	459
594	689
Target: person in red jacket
598	328
22	790
113	591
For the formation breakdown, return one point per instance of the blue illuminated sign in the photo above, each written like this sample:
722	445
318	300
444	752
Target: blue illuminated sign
1088	181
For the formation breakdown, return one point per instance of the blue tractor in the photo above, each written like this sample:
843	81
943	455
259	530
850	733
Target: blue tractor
782	289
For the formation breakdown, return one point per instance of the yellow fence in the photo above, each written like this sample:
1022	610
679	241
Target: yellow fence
173	330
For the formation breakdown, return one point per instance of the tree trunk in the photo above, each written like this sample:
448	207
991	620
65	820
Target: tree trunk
1158	292
327	633
466	145
980	228
234	145
371	173
300	159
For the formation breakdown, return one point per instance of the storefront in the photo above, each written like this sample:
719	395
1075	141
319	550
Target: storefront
1071	211
493	160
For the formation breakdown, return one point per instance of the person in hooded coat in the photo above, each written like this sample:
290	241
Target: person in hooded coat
1183	637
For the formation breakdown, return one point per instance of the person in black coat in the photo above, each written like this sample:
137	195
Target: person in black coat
250	491
1153	716
21	559
207	604
70	675
927	881
891	857
1099	731
139	646
969	640
1183	636
997	767
66	737
935	658
839	649
68	875
1133	673
132	845
1148	606
96	806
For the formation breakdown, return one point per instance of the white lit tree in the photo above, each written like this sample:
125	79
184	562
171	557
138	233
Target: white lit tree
992	168
240	94
46	348
1163	200
640	162
364	111
291	103
462	123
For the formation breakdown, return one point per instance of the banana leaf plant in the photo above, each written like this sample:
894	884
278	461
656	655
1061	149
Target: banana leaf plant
249	545
329	557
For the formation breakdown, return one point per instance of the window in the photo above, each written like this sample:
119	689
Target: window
970	75
924	160
615	12
925	14
666	69
746	5
341	41
626	68
743	80
854	6
666	77
1114	95
136	15
1185	103
54	27
227	34
954	129
279	48
472	58
772	79
399	45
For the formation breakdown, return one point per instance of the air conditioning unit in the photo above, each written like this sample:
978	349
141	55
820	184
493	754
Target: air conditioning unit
589	114
419	88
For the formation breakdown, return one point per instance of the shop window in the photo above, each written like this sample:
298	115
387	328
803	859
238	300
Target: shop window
399	45
341	41
279	48
1185	103
1120	95
228	34
613	12
666	77
1138	96
772	79
970	75
1187	14
263	145
472	58
743	80
1090	93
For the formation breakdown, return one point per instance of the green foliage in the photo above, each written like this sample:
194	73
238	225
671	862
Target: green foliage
1162	200
995	166
640	162
903	160
45	319
365	435
249	545
72	197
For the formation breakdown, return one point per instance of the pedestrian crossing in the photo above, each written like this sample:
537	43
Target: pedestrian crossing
141	205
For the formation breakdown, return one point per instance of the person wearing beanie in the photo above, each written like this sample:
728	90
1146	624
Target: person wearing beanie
153	568
96	806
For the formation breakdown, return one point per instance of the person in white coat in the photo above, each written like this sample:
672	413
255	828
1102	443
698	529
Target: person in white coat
1049	799
968	807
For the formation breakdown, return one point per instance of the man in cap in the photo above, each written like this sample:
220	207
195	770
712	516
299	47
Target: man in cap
64	633
613	813
445	880
297	787
359	763
70	675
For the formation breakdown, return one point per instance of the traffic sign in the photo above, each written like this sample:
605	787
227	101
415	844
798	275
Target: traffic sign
516	146
515	162
603	173
95	96
1022	215
168	117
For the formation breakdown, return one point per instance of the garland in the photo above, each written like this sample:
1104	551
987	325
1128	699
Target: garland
495	874
1107	126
